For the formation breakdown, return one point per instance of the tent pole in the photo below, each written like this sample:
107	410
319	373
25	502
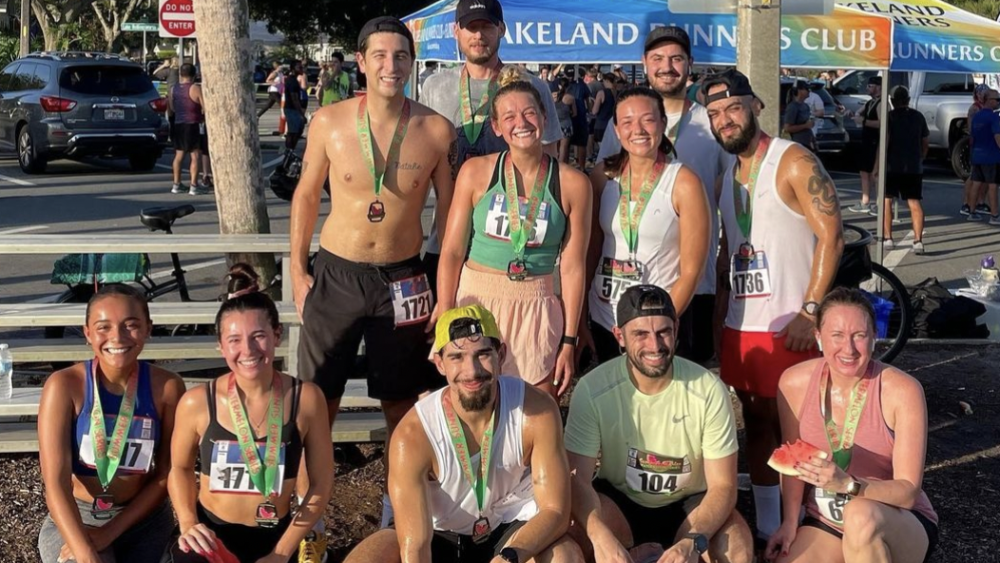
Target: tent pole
883	128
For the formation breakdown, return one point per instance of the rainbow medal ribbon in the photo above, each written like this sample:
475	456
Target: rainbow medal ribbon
108	453
632	269
481	528
262	474
744	216
521	233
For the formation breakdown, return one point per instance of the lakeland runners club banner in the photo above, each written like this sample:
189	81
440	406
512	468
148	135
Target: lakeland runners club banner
612	31
931	35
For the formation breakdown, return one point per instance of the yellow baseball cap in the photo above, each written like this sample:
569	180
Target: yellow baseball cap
462	322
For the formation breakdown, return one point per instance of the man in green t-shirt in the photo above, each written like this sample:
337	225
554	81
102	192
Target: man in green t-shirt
666	435
335	84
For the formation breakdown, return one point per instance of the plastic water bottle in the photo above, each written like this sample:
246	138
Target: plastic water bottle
6	372
988	270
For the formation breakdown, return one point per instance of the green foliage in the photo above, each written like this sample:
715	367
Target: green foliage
986	8
300	20
9	49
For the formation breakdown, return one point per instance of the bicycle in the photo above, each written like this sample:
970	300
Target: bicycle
886	292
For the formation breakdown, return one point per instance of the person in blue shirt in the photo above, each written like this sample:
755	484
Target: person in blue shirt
985	131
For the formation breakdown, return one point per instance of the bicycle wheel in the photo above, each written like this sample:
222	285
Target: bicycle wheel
885	288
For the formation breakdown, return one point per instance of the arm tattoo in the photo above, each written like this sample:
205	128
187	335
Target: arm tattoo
453	158
821	188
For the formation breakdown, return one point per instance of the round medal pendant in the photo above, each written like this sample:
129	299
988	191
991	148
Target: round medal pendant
267	515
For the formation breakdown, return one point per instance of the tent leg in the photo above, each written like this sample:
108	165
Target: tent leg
880	182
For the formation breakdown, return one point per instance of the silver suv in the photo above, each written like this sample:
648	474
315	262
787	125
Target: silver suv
75	104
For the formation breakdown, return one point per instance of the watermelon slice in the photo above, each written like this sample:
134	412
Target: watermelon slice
783	459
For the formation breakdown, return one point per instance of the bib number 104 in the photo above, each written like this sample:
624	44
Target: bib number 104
657	483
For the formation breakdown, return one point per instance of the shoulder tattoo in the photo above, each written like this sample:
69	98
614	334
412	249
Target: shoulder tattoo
453	158
820	186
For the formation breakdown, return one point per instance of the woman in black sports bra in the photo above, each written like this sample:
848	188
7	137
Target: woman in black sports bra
250	427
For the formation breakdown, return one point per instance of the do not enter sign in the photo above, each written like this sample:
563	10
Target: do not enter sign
177	18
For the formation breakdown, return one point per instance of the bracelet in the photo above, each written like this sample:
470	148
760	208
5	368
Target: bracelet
569	340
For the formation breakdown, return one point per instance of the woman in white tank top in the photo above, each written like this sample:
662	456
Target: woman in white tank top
654	219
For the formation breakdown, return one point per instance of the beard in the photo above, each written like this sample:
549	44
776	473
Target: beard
669	91
477	400
481	59
652	372
741	142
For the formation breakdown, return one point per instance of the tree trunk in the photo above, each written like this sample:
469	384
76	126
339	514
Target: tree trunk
52	17
227	83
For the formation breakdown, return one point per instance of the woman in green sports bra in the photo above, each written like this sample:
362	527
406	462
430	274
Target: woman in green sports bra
513	255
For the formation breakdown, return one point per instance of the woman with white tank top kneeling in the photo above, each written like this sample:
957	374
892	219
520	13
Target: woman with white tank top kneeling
653	216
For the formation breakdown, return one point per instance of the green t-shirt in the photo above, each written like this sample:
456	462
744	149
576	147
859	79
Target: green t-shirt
652	447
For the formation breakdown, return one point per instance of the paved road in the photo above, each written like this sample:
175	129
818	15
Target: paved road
104	196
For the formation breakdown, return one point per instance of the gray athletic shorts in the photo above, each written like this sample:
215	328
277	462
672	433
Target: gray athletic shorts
146	541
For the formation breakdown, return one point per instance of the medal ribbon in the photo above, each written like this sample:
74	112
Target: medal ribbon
473	121
108	455
674	132
744	217
519	232
364	127
262	477
630	225
842	442
462	448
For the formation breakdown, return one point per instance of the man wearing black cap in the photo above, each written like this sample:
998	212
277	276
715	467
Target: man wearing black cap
667	61
798	121
379	152
666	435
869	121
465	95
782	245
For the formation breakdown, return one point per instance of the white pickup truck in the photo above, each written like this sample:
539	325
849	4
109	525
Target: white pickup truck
944	99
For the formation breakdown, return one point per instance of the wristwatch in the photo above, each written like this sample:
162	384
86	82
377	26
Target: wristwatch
570	340
810	307
700	543
854	488
509	554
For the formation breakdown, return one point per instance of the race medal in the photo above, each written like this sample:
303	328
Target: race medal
481	530
744	212
517	270
108	452
627	269
841	442
630	212
267	515
376	211
746	252
103	507
473	121
263	473
749	273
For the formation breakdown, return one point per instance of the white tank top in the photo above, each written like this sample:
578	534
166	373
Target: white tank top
658	250
509	492
769	287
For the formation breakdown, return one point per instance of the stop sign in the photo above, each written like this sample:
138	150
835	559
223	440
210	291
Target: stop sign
176	18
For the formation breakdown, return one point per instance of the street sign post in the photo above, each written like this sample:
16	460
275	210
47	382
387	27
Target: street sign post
177	19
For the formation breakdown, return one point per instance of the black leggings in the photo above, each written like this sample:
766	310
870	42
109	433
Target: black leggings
247	543
272	98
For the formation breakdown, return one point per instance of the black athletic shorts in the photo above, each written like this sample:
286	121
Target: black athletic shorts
351	300
247	543
987	173
186	137
449	547
650	525
904	186
869	151
696	335
580	133
930	527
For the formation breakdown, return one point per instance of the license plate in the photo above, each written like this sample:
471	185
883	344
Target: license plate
114	114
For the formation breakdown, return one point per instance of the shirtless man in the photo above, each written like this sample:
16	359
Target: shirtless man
380	152
782	245
483	427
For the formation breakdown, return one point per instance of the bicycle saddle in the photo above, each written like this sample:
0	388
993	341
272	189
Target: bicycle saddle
162	218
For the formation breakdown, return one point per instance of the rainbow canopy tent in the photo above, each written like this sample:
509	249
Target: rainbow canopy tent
612	31
931	35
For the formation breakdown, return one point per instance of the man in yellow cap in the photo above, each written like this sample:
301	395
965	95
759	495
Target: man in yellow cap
477	470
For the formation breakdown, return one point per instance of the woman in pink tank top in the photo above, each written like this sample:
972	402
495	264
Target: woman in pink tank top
862	494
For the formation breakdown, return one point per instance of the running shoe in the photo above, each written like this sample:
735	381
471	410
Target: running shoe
983	208
887	244
918	248
995	219
312	548
199	189
178	189
974	217
965	210
860	208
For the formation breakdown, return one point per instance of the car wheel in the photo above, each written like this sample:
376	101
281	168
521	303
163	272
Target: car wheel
29	159
961	161
143	162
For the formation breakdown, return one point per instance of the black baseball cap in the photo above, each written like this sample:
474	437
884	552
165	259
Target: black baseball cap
645	301
385	24
469	11
736	83
875	81
670	33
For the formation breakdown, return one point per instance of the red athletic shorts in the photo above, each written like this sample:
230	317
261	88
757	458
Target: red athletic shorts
753	362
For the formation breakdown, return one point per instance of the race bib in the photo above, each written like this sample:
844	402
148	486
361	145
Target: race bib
831	505
615	277
749	275
229	473
655	474
139	450
412	300
498	223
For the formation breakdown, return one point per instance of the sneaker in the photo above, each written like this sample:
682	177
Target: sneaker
995	219
199	189
873	210
178	189
918	248
887	244
965	210
974	217
982	208
312	548
860	208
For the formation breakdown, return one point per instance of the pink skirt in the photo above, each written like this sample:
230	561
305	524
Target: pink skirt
529	316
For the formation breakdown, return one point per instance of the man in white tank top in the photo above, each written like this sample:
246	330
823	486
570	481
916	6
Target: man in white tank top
478	469
780	253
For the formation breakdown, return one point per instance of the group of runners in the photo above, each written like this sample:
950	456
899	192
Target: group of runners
530	266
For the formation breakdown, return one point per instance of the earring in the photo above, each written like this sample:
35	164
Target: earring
819	345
